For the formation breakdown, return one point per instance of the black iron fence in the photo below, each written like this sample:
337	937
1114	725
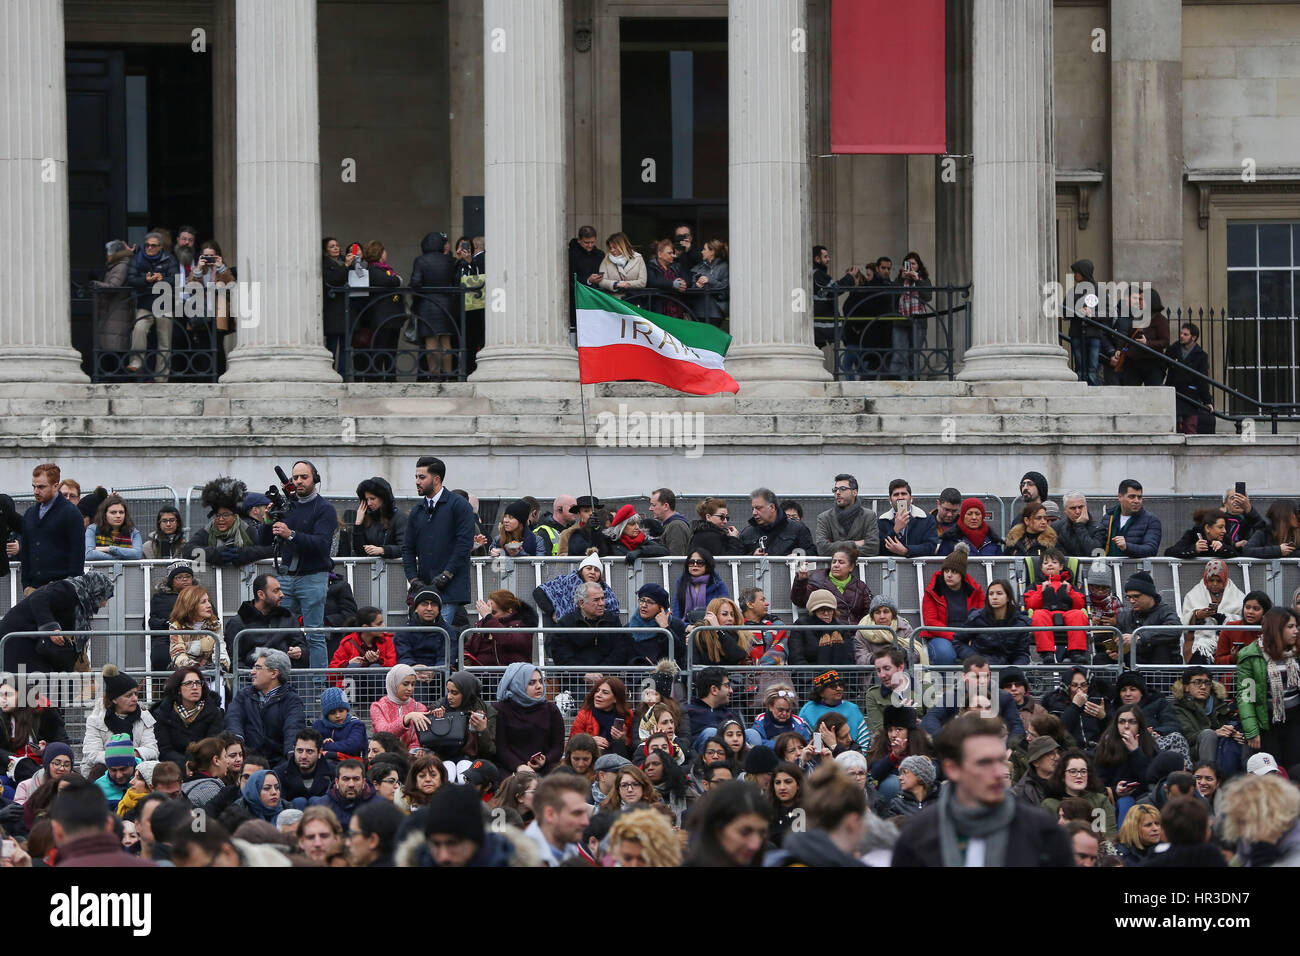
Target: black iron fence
403	333
131	341
895	333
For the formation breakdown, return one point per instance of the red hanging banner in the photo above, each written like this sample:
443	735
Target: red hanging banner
887	76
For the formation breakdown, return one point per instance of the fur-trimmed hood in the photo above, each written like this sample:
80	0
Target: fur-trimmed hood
413	851
1047	539
1178	690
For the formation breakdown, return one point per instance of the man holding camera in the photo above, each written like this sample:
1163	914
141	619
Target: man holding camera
306	536
439	538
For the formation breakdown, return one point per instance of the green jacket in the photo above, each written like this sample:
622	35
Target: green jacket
1252	690
1192	718
1097	800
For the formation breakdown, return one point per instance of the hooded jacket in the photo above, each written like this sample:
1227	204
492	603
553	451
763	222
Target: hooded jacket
98	735
1024	545
427	647
1192	715
1079	329
934	606
373	531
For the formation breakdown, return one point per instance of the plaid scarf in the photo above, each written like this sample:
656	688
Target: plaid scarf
187	715
1282	675
105	538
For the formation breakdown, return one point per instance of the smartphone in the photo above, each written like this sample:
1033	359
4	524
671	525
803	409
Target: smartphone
1096	700
818	746
7	848
900	506
1241	487
536	755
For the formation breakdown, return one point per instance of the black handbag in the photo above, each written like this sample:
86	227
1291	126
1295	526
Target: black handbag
445	732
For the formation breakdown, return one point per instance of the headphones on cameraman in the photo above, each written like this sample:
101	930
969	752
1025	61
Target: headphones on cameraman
315	475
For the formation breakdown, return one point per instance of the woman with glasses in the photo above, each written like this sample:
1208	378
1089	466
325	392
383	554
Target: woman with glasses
631	787
187	713
780	706
386	777
713	531
699	585
1075	776
118	711
225	539
1124	753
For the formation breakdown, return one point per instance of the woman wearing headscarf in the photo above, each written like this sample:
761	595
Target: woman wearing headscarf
379	528
465	695
1214	601
530	728
260	796
398	712
555	597
67	605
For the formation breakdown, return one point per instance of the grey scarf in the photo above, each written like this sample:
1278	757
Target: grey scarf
959	824
845	517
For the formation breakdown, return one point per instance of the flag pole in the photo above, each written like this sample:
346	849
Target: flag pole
582	403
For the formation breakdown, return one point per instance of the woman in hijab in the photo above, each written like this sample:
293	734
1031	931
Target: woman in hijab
399	712
530	729
260	796
67	605
465	695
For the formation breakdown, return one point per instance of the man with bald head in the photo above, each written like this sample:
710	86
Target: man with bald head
563	513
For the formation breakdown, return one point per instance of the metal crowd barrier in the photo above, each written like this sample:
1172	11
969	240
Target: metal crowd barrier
539	642
1161	677
248	638
567	687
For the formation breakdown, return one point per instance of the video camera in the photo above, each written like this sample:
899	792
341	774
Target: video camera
281	503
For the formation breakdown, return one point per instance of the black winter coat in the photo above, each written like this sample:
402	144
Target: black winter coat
711	539
580	643
53	608
1000	645
832	646
438	312
783	536
48	727
1036	839
334	275
440	542
373	531
174	737
53	547
248	616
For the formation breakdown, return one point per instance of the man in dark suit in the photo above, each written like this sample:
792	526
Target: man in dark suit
439	538
53	545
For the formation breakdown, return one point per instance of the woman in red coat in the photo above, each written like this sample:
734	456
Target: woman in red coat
949	600
606	716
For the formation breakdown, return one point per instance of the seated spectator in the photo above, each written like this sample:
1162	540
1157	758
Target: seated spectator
349	792
902	738
1242	520
579	643
995	640
828	697
769	640
891	687
364	648
1131	691
883	627
188	712
1081	706
1206	538
632	788
379	528
770	531
972	528
343	736
207	757
260	797
852	596
1139	835
947	511
167	540
1128	530
1075	777
1103	606
1213	601
830	644
113	536
713	530
179	576
975	692
1076	530
1033	788
1186	824
1033	535
267	713
950	598
27	730
57	764
225	540
1056	604
513	537
1124	753
1267	678
1279	537
906	531
530	729
707	712
778	716
606	717
398	712
1147	609
720	646
698	585
509	642
119	763
265	612
848	522
465	695
196	639
1013	681
340	607
554	598
426	647
623	268
117	712
669	782
306	774
649	647
1253	608
426	776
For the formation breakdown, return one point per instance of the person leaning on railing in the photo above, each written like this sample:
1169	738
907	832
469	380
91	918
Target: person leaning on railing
1280	537
114	302
622	269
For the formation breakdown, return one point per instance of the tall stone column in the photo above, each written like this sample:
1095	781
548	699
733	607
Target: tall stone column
1146	143
768	193
224	170
524	125
1013	205
35	321
278	204
953	196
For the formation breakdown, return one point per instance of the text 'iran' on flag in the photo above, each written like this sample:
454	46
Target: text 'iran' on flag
617	342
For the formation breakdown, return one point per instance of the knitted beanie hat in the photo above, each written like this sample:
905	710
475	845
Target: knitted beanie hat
120	751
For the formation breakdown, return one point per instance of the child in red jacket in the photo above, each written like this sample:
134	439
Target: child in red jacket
1056	604
365	648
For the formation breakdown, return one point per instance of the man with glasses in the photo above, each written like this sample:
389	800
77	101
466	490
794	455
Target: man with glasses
151	274
1147	609
579	643
1206	714
372	833
847	521
267	714
769	531
946	511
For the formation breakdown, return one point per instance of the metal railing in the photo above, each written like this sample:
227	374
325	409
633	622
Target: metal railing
539	642
381	322
185	347
698	305
880	332
247	638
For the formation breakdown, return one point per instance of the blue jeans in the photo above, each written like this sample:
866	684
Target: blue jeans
889	788
941	651
305	594
1087	359
904	336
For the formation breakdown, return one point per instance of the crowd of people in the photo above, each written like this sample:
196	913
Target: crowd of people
909	767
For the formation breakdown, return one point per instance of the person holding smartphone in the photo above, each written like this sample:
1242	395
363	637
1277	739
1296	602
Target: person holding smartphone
530	728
